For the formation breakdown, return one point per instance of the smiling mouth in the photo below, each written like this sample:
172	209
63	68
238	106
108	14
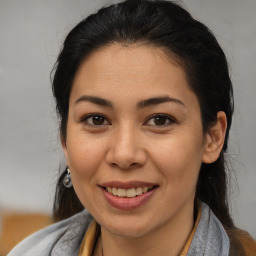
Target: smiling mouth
130	192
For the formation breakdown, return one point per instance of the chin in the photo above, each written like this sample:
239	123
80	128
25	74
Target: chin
129	228
129	232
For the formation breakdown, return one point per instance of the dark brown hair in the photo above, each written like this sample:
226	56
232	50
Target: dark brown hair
166	25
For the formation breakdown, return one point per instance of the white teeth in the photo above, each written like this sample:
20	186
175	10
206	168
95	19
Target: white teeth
138	191
122	192
114	191
145	189
131	192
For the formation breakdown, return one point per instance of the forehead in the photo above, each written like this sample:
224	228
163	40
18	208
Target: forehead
125	69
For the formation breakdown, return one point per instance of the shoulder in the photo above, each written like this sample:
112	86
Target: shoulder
248	242
241	242
215	239
62	238
210	237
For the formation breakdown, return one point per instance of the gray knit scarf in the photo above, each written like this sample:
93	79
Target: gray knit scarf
64	238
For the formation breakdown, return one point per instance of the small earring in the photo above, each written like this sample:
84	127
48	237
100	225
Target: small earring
67	182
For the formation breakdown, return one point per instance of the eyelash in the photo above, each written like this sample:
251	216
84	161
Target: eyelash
168	118
85	120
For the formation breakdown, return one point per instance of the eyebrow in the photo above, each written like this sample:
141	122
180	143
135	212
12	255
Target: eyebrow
140	105
158	100
95	100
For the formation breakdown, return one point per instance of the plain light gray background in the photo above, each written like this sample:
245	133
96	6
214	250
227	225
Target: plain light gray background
31	34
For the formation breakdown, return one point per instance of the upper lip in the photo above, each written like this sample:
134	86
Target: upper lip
127	185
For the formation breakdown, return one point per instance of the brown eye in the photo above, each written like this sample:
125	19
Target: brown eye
95	120
98	120
160	120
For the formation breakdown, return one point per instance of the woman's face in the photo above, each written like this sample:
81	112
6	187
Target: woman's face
134	128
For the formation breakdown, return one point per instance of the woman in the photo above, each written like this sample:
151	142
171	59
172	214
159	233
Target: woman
145	104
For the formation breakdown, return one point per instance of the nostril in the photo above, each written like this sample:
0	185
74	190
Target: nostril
124	165
116	157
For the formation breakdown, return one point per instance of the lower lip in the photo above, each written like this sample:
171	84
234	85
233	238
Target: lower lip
128	203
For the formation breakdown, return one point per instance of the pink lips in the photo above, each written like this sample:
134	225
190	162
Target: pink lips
127	203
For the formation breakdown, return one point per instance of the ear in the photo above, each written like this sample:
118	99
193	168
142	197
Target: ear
64	148
215	139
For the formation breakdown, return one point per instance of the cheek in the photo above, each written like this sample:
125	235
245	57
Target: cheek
179	159
85	154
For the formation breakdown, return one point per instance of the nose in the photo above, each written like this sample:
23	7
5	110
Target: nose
126	149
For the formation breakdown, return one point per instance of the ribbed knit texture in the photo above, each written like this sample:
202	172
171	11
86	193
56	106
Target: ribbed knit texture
64	238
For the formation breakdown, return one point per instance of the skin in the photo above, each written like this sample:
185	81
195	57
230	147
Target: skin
131	145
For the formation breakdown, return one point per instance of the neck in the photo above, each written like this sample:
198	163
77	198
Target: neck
169	239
